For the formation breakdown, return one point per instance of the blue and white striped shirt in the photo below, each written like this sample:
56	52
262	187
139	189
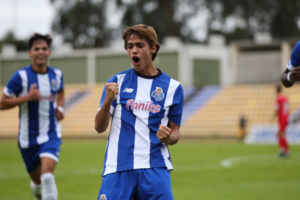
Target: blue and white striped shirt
143	103
38	122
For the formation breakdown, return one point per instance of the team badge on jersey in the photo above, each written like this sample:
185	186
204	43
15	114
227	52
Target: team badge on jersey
158	94
102	197
54	85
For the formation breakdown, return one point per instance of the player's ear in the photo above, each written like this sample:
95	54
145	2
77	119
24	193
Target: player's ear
153	49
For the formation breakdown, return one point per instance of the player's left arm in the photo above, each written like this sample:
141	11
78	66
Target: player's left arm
60	101
168	135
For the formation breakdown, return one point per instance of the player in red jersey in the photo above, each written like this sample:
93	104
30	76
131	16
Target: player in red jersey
282	112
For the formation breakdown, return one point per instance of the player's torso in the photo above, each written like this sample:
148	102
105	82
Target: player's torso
47	85
144	99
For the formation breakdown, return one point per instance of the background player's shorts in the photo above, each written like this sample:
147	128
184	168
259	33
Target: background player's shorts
138	184
31	156
282	125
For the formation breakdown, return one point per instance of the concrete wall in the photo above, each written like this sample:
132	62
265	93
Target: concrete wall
258	67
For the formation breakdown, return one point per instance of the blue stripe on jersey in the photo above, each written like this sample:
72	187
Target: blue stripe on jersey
127	132
156	157
33	107
175	113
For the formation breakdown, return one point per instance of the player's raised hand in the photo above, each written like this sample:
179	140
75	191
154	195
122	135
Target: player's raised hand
295	74
164	133
112	89
34	93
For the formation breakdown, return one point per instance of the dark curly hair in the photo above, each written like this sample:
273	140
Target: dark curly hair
37	36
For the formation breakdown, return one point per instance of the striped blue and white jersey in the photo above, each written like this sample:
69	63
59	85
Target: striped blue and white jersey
295	57
143	103
37	119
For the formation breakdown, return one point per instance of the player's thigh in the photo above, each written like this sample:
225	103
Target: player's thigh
282	127
31	159
49	155
118	186
154	184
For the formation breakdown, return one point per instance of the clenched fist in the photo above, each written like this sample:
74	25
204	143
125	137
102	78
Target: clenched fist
112	89
164	134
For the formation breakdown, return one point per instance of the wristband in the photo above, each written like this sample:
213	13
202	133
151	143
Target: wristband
61	109
288	77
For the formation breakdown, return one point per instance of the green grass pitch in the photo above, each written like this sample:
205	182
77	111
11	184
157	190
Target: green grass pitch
212	170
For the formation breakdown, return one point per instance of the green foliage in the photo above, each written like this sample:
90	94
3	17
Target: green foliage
9	38
82	23
256	171
278	17
161	16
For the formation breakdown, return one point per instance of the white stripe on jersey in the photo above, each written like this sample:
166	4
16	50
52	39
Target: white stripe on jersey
8	93
112	150
58	74
23	129
142	143
169	101
44	108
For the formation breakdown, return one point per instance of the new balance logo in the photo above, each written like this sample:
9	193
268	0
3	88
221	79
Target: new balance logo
129	90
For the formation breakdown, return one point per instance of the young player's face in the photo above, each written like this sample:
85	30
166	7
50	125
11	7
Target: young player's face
39	53
140	53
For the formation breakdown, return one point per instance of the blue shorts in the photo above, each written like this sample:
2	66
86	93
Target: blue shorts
138	184
31	156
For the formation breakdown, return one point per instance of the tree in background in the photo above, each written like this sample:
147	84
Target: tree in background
82	23
241	19
168	17
85	23
9	38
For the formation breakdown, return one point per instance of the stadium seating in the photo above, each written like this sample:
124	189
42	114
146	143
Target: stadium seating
211	111
220	115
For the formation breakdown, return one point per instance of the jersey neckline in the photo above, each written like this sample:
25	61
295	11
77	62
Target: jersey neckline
38	72
149	77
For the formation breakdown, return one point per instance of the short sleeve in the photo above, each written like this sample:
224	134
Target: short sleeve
175	113
61	83
60	79
113	104
14	86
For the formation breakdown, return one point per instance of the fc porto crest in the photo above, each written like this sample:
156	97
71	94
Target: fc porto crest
158	94
54	85
102	197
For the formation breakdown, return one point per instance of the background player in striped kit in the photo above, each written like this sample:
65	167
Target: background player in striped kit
145	105
38	90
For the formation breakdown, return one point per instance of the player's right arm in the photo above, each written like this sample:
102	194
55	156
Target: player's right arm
103	115
8	102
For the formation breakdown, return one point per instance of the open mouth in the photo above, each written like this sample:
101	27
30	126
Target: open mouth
136	59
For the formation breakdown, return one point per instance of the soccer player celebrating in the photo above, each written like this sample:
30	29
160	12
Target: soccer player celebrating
282	112
146	108
38	90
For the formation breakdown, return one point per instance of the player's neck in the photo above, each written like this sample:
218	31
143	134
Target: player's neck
149	70
39	69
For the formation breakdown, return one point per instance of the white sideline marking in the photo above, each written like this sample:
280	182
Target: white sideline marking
228	162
